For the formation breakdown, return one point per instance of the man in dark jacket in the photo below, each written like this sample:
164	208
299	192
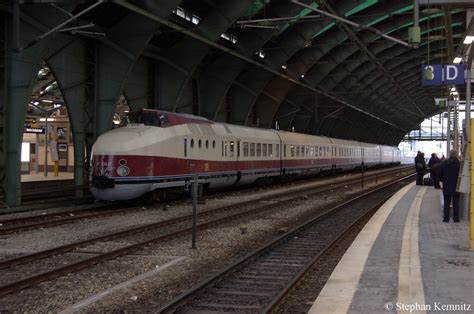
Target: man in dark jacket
449	176
420	167
432	166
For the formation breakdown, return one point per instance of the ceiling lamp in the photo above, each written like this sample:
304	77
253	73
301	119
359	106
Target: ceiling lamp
468	40
457	60
429	11
436	37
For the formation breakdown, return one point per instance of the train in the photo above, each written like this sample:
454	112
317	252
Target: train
155	152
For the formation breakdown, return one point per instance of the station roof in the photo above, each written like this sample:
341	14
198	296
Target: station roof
307	70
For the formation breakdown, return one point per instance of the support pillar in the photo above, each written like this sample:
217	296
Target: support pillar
72	82
18	73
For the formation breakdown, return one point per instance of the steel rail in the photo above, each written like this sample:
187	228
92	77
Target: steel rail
5	229
275	302
36	279
191	293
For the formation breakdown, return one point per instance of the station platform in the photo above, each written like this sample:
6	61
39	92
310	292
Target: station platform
404	260
32	177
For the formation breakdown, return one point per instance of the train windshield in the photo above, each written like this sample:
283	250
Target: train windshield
146	118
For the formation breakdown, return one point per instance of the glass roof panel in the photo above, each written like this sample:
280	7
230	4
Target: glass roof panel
361	7
255	7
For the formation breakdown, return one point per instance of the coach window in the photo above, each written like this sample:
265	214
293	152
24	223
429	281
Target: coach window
270	150
192	143
246	149
259	150
264	150
252	149
292	151
277	153
311	151
225	148
213	144
185	147
231	148
222	148
199	144
207	144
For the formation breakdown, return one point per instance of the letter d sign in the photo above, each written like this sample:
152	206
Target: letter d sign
454	74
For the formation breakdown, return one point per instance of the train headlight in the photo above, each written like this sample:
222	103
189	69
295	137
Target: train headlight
123	171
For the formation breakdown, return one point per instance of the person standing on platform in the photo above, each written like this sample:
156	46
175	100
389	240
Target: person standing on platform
449	177
420	167
434	167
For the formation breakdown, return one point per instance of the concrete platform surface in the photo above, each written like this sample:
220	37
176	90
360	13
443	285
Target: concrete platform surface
405	260
33	177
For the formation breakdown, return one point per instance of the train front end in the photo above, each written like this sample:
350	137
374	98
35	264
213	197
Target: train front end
115	166
122	162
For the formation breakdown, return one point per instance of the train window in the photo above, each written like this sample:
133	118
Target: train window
259	149
307	151
284	150
144	117
297	151
222	148
231	149
277	150
213	144
192	143
199	144
264	150
292	151
163	120
270	150
238	148
252	149
246	149
225	148
185	147
311	151
207	144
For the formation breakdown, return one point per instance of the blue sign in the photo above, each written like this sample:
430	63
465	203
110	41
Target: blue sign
34	130
442	74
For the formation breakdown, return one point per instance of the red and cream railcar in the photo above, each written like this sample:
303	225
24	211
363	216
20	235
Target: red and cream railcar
159	150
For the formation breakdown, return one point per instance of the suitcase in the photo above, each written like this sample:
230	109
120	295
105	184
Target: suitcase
428	181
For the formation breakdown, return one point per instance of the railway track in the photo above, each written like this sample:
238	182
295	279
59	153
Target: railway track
107	209
144	236
260	281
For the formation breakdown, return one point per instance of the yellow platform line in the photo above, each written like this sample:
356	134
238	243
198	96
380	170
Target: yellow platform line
410	282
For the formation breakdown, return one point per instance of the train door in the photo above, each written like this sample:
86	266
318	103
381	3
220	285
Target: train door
237	162
185	153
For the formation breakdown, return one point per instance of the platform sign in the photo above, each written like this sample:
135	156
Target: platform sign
34	130
442	74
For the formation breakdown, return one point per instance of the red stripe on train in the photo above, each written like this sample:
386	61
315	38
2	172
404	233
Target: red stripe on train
106	165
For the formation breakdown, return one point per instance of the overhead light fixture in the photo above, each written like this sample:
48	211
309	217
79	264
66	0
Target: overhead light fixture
453	89
436	37
429	11
260	53
302	75
468	40
284	66
457	60
47	100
